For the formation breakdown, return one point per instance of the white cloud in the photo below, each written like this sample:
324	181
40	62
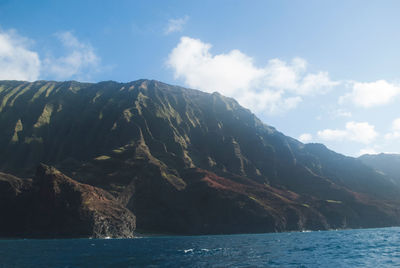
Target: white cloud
361	132
293	77
306	137
80	61
279	74
367	151
395	133
318	83
226	73
340	113
396	124
176	25
371	94
268	100
332	134
276	87
17	61
392	135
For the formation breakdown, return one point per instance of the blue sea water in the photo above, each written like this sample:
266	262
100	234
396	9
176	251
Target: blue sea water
345	248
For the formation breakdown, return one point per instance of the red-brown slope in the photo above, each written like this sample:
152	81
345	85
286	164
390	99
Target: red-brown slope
214	204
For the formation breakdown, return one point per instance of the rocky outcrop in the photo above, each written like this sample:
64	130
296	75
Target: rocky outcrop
54	205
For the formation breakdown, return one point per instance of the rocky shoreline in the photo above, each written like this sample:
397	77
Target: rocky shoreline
53	205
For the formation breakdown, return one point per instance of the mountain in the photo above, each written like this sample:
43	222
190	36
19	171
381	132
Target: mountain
184	161
387	164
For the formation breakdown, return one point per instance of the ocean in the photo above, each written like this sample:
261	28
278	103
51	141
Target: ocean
343	248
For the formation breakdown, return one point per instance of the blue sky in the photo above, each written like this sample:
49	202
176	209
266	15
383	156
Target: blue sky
323	71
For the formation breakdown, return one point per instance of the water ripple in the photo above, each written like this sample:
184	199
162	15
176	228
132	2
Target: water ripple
347	248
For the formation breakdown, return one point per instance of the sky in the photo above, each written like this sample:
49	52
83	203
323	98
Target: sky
319	71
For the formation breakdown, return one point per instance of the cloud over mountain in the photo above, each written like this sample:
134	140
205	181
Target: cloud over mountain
395	130
361	132
371	94
275	87
17	60
79	61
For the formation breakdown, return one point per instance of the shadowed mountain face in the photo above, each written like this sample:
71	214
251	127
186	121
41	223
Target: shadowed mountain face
185	161
386	164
